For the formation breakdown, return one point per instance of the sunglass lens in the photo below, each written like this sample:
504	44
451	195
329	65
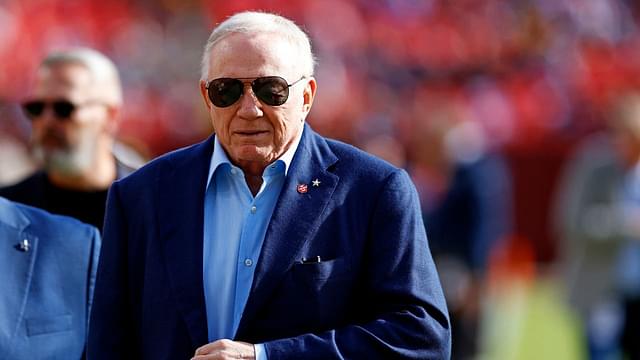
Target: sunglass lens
224	92
63	109
272	90
33	108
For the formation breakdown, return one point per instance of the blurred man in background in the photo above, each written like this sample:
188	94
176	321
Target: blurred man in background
597	217
626	133
465	189
74	111
47	270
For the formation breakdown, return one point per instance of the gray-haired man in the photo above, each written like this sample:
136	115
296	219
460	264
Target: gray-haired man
74	111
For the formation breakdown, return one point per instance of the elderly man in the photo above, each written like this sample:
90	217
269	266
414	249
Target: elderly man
48	266
74	111
266	240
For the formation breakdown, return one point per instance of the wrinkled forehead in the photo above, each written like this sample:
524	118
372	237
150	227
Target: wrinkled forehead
254	54
65	80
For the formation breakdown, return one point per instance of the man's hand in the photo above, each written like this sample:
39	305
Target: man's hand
225	349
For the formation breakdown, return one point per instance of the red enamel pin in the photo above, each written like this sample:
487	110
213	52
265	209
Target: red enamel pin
302	188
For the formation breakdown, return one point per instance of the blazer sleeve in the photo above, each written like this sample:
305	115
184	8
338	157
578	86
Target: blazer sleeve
110	328
407	316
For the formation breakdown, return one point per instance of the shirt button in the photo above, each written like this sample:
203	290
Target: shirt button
248	262
254	209
234	171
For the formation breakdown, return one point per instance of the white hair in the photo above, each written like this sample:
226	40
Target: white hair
102	69
260	22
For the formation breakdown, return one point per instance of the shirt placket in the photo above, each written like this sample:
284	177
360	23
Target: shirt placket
247	257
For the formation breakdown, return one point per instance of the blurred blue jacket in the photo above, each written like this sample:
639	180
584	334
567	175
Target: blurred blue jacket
47	271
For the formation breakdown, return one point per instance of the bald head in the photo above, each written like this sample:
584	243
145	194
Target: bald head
105	80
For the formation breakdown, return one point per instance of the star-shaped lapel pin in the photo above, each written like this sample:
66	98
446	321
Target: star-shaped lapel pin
316	183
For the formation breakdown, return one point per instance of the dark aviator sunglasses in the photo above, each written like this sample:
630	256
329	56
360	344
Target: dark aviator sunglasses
271	90
62	109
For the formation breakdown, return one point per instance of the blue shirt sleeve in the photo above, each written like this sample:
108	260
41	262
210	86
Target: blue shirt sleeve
261	354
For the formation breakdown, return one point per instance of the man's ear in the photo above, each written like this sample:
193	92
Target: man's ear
309	94
205	96
113	118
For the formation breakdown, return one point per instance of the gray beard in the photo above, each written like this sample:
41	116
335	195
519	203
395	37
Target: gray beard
69	162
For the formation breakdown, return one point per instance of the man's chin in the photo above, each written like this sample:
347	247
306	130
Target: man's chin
61	162
253	154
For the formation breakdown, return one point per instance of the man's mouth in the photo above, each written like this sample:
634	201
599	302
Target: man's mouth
52	140
251	132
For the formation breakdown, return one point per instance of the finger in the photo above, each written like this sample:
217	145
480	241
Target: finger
207	348
216	355
225	349
214	346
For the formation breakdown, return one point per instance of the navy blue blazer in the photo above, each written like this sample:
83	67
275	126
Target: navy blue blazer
374	295
46	283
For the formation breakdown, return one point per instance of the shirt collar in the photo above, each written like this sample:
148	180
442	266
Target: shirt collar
219	156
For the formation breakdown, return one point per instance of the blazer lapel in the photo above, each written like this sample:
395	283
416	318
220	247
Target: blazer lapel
294	218
181	216
16	269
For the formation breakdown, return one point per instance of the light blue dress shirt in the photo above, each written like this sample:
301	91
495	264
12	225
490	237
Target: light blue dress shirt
234	229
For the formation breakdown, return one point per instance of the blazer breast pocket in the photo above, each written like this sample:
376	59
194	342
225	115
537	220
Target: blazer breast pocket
48	325
318	293
323	270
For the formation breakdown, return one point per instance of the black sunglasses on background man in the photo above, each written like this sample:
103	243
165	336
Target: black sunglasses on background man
62	108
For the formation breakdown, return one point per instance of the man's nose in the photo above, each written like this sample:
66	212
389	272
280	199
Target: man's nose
47	116
250	106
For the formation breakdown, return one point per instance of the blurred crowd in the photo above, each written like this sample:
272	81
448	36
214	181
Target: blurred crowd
507	114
